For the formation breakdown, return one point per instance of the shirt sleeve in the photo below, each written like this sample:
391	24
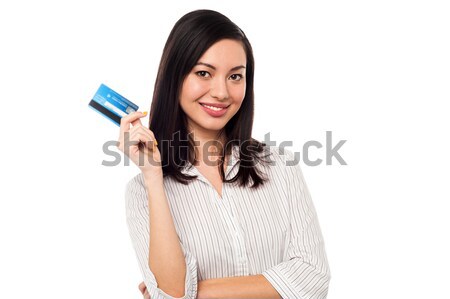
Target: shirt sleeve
305	272
137	216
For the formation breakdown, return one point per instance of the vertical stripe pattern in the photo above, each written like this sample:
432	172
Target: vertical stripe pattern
272	230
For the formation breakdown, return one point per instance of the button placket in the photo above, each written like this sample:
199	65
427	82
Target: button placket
237	234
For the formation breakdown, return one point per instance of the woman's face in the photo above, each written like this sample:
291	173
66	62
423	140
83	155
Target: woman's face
214	89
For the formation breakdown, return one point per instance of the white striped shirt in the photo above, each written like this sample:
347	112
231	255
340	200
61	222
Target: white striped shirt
271	230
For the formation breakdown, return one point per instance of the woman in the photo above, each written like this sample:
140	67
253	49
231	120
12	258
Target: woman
214	213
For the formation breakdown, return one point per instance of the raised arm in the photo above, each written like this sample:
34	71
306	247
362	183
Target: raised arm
138	224
149	218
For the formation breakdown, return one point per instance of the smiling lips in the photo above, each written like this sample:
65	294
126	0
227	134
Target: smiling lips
215	110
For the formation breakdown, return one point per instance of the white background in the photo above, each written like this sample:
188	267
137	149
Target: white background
375	73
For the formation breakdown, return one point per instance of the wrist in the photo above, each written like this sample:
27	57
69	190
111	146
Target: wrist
153	177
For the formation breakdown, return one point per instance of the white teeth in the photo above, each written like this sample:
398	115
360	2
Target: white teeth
212	108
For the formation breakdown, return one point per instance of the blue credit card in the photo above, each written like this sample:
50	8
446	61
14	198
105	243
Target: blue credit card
111	105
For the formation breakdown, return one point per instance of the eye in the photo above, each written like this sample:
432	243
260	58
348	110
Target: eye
203	74
236	77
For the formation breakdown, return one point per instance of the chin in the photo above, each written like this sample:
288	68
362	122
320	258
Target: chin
214	127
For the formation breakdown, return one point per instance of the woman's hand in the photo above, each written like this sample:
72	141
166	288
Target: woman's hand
139	144
144	291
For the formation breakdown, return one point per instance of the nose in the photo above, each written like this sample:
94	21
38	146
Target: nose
219	89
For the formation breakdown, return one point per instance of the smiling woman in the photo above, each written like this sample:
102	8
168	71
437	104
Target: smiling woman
215	86
207	60
240	226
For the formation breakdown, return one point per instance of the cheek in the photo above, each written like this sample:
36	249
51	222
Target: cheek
194	89
238	93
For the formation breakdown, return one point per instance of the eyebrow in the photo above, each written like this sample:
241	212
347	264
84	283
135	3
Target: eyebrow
214	68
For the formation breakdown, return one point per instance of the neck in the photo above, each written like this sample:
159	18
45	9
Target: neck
209	147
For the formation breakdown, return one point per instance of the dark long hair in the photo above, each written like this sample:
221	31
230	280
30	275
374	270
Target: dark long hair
191	36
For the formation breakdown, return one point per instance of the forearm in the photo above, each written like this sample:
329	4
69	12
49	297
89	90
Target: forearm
166	258
254	286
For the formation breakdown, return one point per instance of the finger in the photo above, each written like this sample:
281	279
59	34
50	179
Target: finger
141	129
138	122
153	136
142	287
146	295
146	146
129	119
142	136
145	131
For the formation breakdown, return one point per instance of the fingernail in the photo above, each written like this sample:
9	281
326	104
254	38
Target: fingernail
145	113
156	142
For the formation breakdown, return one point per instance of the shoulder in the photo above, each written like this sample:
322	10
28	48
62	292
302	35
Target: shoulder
281	156
135	192
284	162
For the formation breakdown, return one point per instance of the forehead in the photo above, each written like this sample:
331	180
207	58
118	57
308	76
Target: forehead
225	53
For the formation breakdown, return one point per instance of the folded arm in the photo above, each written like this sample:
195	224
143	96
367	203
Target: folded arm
253	286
